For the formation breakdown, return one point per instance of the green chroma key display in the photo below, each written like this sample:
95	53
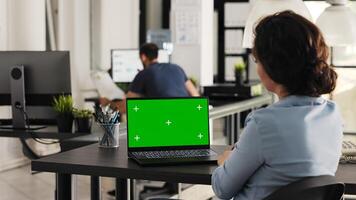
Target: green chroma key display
167	122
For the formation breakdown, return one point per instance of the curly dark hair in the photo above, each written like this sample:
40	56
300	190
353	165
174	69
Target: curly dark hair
292	51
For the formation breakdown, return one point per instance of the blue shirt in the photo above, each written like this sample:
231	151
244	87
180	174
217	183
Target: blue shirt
296	137
160	80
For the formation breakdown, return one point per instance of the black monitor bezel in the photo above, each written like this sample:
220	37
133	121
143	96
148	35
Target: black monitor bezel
166	147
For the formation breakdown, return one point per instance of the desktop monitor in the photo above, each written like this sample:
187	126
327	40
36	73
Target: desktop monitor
126	63
29	80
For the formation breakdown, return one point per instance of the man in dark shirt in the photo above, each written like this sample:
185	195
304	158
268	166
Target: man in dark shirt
156	80
159	79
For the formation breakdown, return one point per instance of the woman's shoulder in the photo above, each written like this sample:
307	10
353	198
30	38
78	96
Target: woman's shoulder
277	112
261	114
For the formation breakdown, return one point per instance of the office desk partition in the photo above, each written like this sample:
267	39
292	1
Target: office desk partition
94	161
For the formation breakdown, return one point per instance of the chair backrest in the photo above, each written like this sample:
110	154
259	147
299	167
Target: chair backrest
27	151
311	188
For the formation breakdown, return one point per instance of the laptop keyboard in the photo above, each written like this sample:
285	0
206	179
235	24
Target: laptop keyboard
173	153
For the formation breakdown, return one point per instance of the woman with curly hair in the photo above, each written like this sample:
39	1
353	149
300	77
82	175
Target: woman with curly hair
300	135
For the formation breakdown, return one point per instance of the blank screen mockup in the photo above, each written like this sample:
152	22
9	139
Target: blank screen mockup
167	122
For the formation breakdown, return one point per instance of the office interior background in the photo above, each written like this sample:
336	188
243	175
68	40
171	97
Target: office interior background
90	29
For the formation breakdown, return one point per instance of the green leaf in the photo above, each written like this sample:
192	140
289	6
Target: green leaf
63	104
82	113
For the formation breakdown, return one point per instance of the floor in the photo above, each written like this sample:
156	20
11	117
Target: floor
20	184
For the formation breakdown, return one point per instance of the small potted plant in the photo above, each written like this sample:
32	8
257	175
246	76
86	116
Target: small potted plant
239	72
82	120
63	106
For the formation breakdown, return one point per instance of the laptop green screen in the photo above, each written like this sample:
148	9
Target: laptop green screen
167	122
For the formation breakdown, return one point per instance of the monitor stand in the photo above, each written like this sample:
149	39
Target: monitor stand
18	103
17	88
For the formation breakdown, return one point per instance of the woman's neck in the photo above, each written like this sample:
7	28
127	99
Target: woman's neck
281	92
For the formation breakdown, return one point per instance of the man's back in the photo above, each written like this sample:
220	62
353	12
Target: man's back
160	80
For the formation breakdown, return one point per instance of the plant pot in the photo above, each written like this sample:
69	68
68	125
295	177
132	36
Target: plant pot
239	78
65	122
83	125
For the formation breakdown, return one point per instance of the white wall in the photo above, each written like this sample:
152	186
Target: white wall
196	58
207	53
26	25
93	30
22	27
116	25
73	34
3	24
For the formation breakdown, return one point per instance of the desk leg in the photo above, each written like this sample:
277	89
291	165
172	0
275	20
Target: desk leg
121	189
64	186
94	188
132	189
228	129
236	127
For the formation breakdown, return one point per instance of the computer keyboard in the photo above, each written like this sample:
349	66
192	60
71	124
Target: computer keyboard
173	153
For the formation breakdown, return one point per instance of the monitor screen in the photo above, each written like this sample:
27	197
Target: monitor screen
46	72
126	63
167	122
46	75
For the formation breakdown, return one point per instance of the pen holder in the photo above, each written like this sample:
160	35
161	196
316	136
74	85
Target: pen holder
110	138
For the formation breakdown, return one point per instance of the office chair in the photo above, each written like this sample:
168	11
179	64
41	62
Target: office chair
311	188
27	151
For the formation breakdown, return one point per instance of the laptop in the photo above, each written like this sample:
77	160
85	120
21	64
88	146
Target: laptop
169	131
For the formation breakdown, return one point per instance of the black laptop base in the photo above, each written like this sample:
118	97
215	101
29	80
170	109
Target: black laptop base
175	161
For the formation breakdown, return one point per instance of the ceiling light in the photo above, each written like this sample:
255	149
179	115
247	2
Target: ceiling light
262	8
338	24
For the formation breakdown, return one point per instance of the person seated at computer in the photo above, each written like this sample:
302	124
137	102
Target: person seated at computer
298	136
159	79
156	79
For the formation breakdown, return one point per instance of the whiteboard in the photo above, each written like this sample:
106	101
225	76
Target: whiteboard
126	63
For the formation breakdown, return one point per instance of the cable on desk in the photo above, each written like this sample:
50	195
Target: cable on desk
27	124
